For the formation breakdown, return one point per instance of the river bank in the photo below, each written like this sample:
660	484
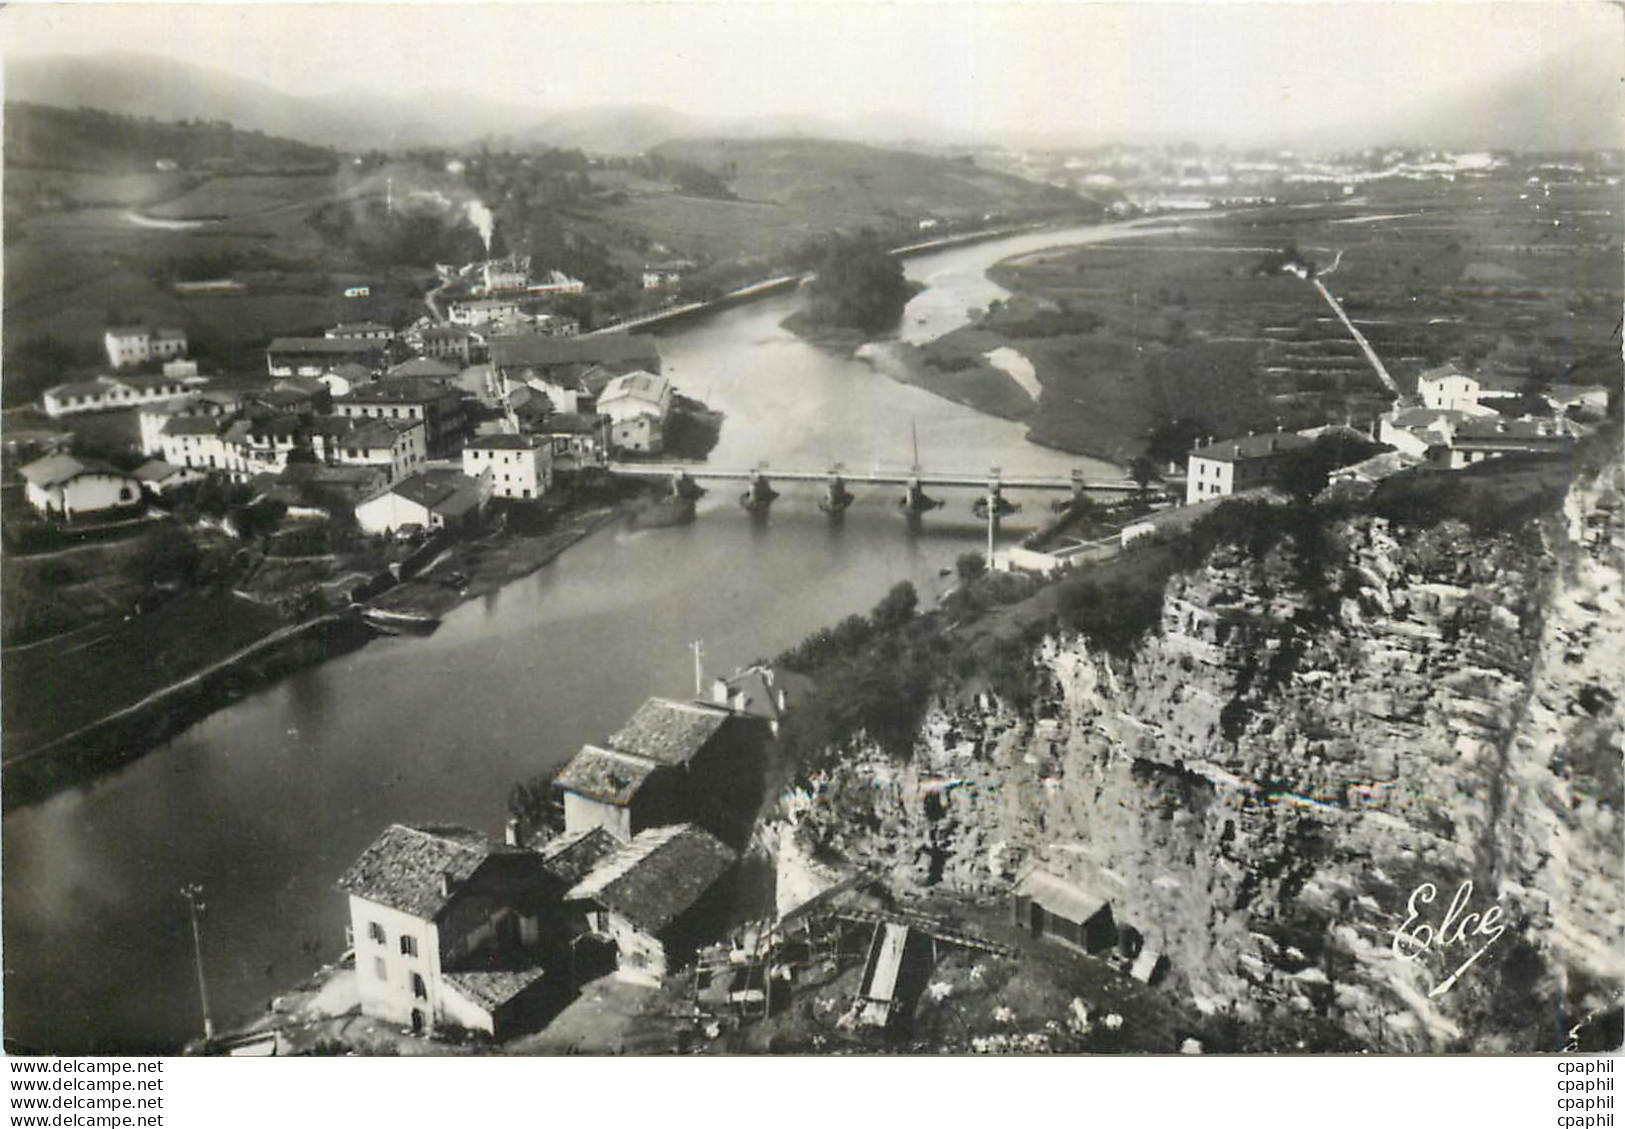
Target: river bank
483	566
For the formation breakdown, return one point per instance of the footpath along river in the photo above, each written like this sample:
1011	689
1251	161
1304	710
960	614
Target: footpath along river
266	802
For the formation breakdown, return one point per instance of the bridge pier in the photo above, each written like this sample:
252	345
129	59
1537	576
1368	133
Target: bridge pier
915	500
684	488
836	496
760	494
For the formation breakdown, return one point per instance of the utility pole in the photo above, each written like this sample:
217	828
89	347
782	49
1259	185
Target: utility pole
698	647
192	892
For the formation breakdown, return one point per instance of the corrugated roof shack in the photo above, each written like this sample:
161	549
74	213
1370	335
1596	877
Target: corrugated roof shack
1052	907
657	898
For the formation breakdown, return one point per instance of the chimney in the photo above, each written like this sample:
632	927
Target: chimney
511	831
737	702
784	699
719	692
445	883
1274	443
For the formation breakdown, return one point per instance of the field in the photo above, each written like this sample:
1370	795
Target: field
1523	282
57	687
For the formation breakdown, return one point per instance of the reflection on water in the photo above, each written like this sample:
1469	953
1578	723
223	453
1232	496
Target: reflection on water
266	802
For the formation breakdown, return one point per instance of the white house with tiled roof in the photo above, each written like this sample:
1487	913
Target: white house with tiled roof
521	466
1229	466
650	898
69	487
441	918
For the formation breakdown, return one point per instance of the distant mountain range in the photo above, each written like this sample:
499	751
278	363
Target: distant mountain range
1577	104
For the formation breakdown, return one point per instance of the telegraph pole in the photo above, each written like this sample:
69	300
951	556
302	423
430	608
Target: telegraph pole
698	647
192	892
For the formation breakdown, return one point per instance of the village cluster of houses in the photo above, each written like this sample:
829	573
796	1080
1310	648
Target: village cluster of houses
1455	420
382	420
454	931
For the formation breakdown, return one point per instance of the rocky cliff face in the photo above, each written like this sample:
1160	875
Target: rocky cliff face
1263	788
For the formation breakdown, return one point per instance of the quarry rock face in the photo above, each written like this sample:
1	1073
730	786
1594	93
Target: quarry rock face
1289	789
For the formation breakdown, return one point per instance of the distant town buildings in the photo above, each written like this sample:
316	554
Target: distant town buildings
361	331
555	365
313	356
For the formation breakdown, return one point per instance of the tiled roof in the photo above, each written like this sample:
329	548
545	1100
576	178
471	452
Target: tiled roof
525	350
645	386
150	383
669	732
417	869
604	774
353	327
192	425
658	876
424	366
572	857
571	423
446	492
54	470
491	989
445	333
351	371
322	346
1058	896
502	443
404	389
98	387
1251	447
155	470
1509	430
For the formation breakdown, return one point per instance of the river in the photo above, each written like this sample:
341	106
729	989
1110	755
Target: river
266	802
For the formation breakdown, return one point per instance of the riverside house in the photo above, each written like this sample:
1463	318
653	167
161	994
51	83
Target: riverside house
656	899
556	365
521	466
447	930
429	500
672	761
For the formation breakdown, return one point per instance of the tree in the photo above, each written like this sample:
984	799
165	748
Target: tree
970	566
1143	471
858	286
897	607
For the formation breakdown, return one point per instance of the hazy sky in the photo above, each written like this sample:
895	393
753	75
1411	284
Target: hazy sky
1214	70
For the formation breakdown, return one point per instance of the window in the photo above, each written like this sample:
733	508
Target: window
376	932
409	945
419	988
380	969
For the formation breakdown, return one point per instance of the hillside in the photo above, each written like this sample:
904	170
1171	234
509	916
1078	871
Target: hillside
848	180
83	140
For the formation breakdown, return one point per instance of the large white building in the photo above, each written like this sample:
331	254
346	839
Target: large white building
521	466
138	344
1229	466
428	500
433	912
637	406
